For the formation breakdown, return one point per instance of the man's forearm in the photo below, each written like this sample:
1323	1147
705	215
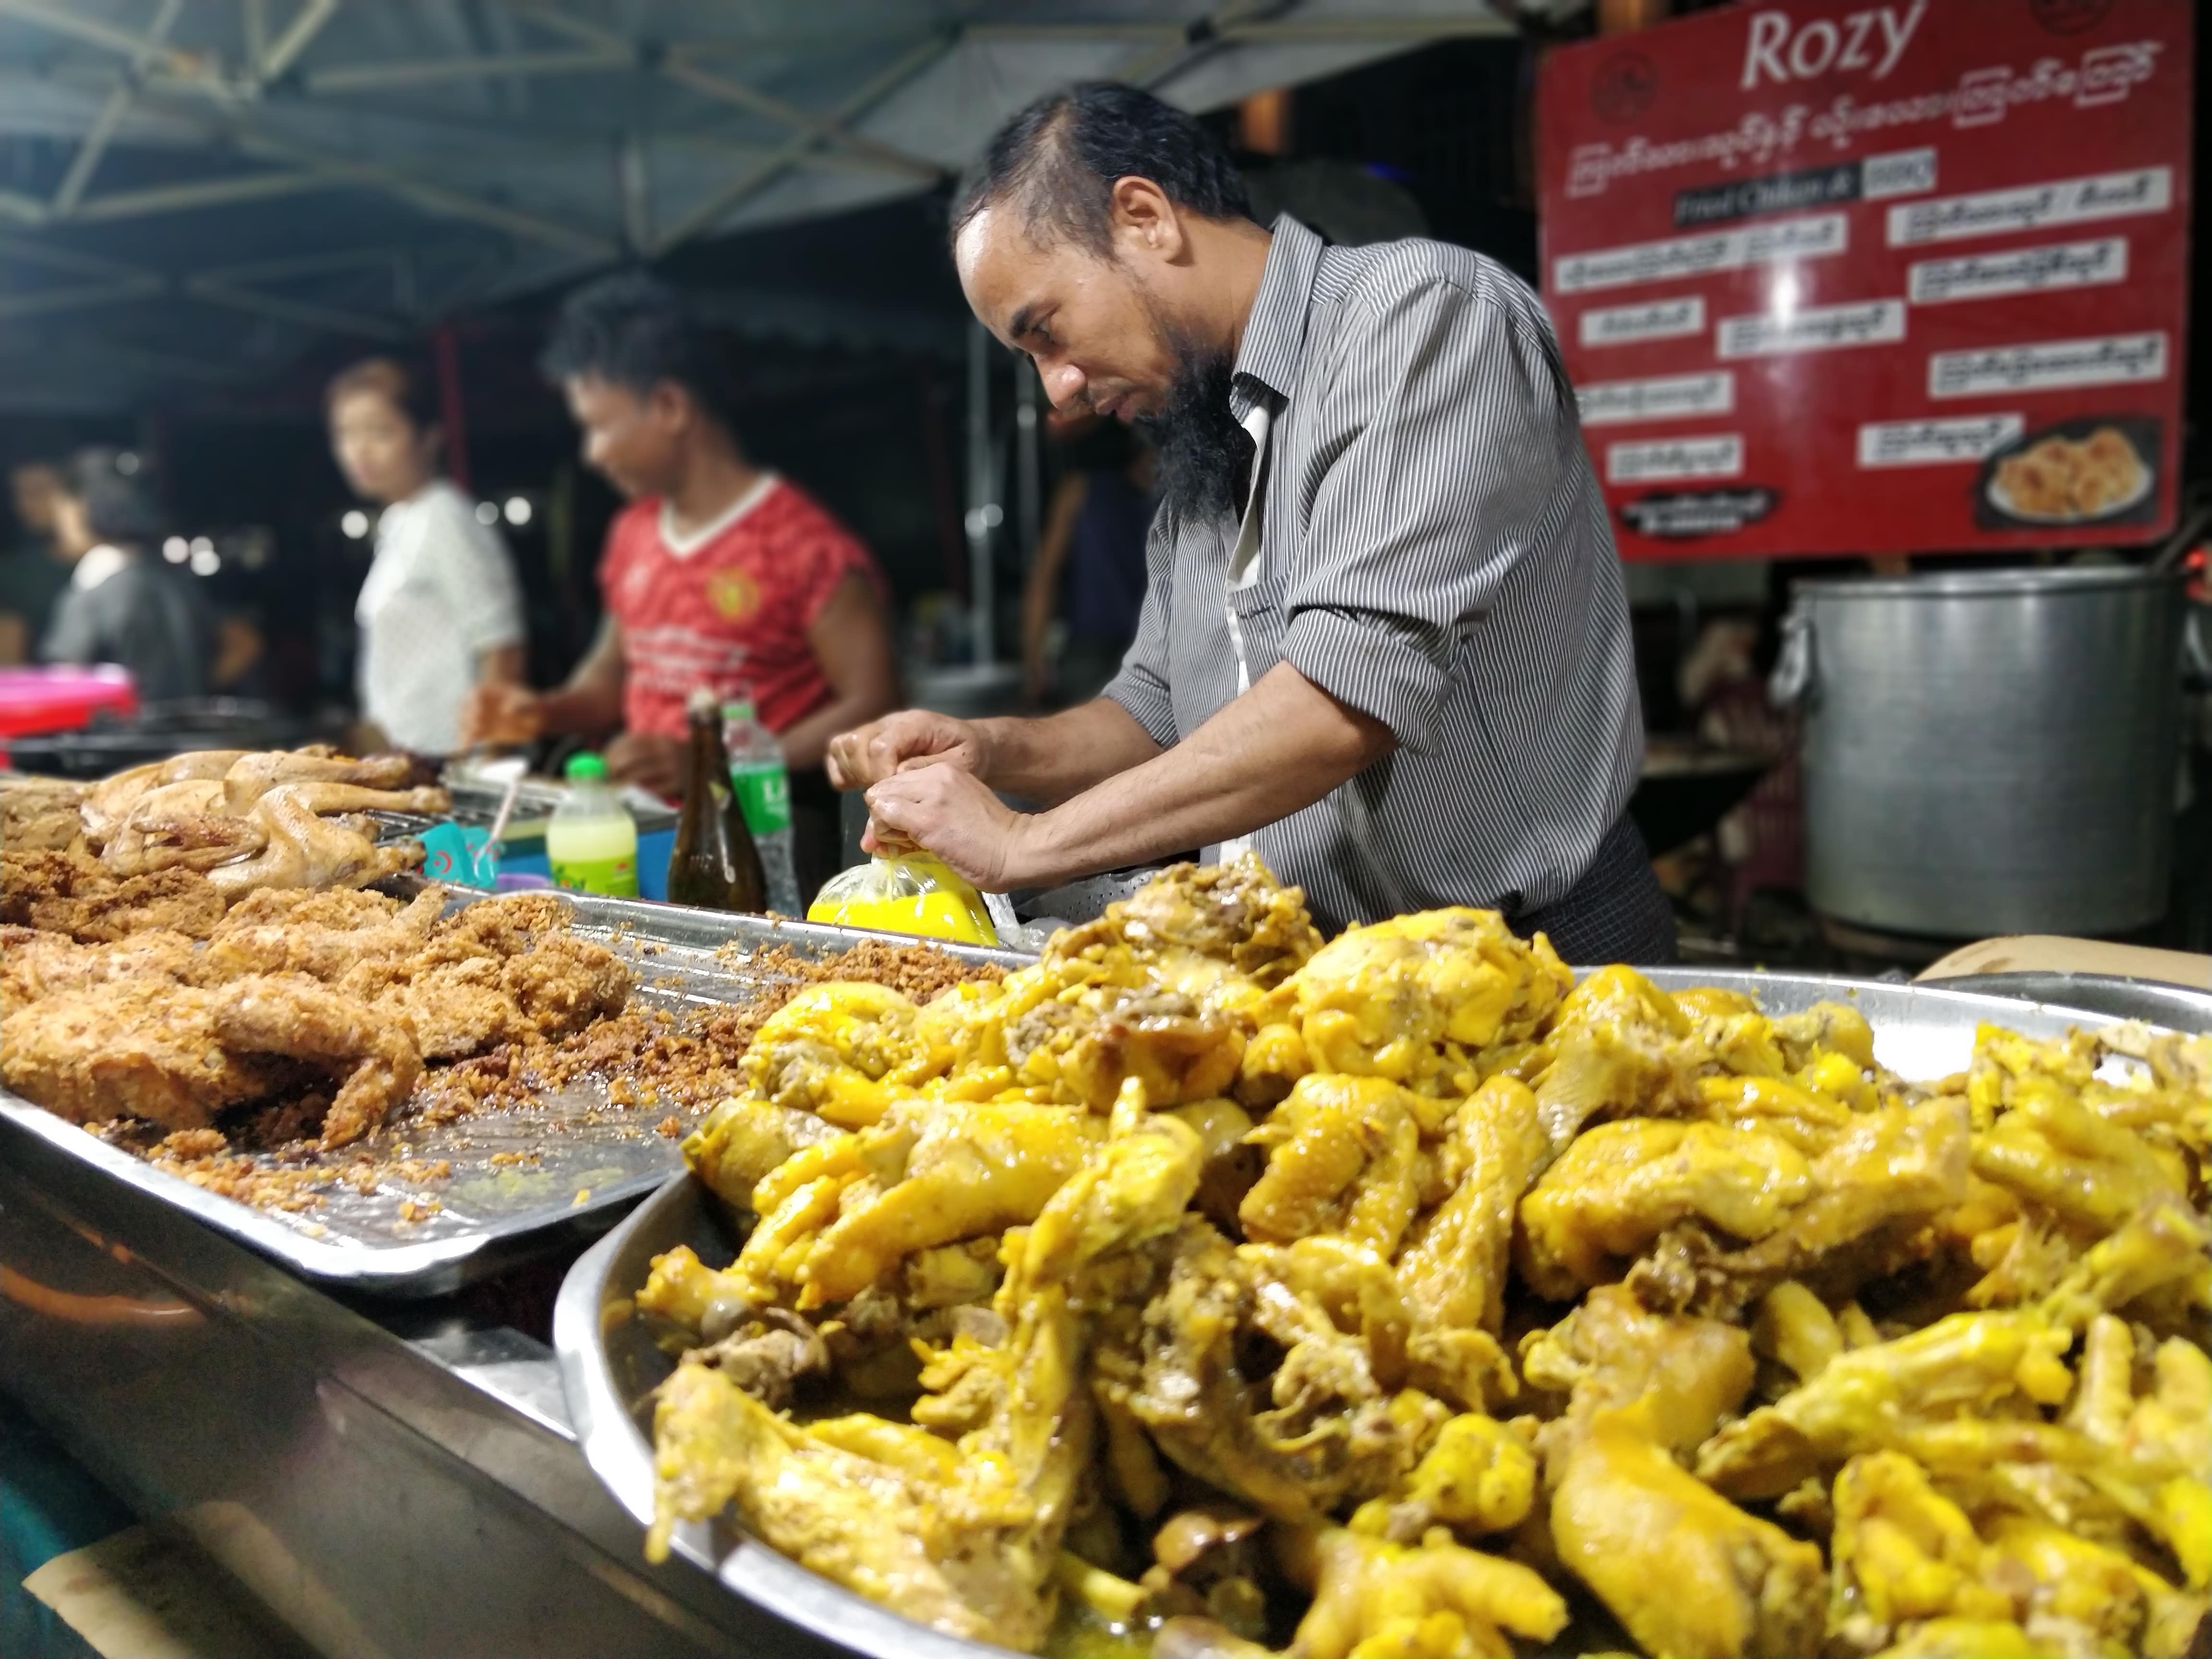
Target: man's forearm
1279	748
584	706
1048	761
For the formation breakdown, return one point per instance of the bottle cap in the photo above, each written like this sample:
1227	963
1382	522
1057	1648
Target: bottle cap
739	709
701	704
583	765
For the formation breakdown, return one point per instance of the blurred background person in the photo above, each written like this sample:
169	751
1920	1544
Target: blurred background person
1089	575
440	611
33	572
718	572
124	605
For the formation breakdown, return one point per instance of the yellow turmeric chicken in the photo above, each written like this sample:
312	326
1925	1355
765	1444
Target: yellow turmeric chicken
1204	1291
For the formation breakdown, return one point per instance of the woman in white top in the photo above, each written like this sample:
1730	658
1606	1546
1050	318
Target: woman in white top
441	611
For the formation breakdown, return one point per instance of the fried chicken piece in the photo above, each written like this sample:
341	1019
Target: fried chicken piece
40	815
321	933
501	970
35	966
295	1016
146	1047
1904	1553
1435	1599
68	893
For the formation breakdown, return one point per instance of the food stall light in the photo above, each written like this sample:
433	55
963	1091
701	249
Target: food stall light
201	545
517	511
355	523
127	464
486	511
206	562
175	549
1782	299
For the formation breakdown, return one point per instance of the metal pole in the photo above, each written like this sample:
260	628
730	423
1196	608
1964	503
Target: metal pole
1029	482
984	513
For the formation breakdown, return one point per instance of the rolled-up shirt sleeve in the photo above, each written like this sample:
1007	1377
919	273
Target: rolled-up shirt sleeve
1141	687
1448	406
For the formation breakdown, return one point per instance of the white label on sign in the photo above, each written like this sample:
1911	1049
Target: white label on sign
1809	238
2115	359
2032	207
1816	328
1674	458
1900	172
1934	442
1670	397
2019	270
1655	320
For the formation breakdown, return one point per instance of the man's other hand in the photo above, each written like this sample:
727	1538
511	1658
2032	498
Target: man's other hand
948	812
500	714
866	755
651	762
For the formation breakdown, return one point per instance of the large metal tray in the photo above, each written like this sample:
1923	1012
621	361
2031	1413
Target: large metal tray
609	1366
583	1160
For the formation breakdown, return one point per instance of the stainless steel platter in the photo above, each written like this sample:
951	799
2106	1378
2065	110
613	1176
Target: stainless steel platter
609	1367
523	1180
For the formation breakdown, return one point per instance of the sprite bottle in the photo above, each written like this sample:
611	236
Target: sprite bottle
762	788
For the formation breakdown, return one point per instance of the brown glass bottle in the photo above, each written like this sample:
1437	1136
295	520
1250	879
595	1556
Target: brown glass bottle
714	865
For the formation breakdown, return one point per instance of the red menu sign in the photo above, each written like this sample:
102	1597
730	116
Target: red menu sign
1838	277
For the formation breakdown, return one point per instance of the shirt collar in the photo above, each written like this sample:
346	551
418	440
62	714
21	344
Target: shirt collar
1275	332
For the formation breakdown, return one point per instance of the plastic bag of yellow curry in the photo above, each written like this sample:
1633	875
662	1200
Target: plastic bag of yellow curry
905	893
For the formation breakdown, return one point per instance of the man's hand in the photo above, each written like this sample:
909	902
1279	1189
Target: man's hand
502	714
944	809
861	758
651	762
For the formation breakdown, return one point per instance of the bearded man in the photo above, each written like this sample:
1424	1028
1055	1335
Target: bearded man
1385	640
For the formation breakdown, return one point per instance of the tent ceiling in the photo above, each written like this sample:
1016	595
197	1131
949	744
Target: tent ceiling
194	191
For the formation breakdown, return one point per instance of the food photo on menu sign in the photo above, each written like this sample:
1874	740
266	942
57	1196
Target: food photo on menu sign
1886	278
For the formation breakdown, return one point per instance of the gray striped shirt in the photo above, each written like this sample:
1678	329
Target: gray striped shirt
1434	552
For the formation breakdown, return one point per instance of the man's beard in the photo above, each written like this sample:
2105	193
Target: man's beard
1203	454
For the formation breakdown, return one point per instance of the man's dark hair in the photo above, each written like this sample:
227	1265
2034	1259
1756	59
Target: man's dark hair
1057	160
116	489
635	331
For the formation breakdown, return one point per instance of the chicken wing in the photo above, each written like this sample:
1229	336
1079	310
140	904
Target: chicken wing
297	1016
1340	1159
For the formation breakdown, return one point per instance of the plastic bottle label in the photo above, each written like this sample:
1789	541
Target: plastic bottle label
764	795
610	877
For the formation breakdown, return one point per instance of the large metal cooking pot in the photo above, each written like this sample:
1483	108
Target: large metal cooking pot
1988	752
